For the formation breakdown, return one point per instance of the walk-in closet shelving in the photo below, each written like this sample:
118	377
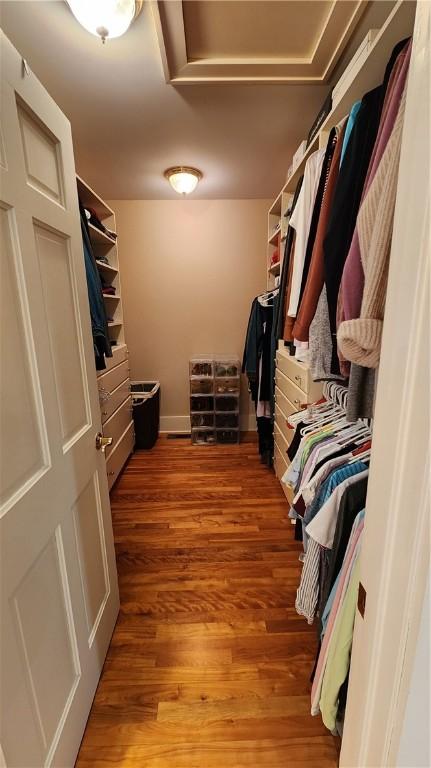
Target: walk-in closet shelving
113	382
365	76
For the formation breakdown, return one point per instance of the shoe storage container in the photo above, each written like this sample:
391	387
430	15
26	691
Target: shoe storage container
226	403
201	403
203	436
226	367
201	366
226	420
227	435
226	386
202	386
202	419
214	400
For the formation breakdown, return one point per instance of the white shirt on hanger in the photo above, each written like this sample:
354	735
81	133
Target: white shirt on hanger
323	525
300	221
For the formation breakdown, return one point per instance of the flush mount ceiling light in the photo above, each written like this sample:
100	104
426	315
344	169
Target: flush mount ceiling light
105	18
183	179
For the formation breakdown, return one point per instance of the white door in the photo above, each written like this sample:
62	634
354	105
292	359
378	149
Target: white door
59	587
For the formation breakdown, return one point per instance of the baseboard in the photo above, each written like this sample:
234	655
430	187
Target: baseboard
182	423
175	423
247	422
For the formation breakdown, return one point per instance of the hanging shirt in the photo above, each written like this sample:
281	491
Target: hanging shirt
322	527
307	595
329	603
338	662
300	221
344	580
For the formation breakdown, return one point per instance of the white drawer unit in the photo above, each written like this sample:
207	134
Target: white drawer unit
119	354
280	466
116	411
281	422
296	396
110	380
294	389
117	424
119	455
114	381
113	400
300	376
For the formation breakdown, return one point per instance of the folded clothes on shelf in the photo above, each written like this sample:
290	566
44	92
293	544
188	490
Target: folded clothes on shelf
95	221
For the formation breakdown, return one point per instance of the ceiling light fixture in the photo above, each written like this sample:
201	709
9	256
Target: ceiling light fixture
183	179
105	18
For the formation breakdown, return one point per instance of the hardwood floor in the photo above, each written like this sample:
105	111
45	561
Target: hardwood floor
209	663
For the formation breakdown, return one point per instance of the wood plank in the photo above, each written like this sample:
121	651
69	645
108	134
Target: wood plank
209	664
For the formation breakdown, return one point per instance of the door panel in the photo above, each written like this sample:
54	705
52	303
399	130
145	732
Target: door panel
42	155
59	298
59	592
22	420
88	522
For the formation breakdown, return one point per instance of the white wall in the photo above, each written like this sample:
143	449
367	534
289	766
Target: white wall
189	271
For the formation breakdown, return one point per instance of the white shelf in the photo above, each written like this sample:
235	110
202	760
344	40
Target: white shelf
112	296
273	240
274	269
98	237
397	26
90	199
106	268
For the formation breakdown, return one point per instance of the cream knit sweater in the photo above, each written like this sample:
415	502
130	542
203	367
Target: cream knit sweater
360	339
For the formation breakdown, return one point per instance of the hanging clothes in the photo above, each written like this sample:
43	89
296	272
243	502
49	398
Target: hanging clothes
360	339
99	322
300	221
280	312
315	276
258	365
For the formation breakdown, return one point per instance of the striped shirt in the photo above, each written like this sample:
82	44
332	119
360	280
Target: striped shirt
307	595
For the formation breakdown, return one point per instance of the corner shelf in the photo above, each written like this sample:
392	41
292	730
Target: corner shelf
107	268
274	269
90	199
273	240
99	238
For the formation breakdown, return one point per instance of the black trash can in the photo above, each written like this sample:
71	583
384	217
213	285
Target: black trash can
146	412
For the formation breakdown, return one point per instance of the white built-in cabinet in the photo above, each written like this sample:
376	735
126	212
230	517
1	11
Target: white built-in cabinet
113	382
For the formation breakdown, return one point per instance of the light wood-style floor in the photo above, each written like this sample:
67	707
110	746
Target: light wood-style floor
209	663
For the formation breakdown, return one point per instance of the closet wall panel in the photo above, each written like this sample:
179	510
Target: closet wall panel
189	270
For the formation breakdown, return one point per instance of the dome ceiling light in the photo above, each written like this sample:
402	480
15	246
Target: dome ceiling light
105	18
183	179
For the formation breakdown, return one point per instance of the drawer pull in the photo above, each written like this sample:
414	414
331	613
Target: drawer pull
104	413
111	472
104	395
297	378
297	402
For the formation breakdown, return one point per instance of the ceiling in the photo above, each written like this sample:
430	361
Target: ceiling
259	41
129	125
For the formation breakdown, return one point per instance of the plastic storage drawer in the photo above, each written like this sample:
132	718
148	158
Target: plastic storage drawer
201	403
202	386
227	420
228	435
226	368
226	385
226	403
202	419
201	367
203	436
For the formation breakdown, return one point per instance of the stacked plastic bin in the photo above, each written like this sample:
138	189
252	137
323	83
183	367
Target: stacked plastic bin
214	400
